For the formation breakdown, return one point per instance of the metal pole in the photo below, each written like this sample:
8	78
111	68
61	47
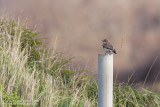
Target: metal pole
105	80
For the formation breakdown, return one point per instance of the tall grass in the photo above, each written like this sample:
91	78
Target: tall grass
30	73
33	76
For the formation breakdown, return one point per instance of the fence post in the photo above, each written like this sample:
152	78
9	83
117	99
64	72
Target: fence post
105	80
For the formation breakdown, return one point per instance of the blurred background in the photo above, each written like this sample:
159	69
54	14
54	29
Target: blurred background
78	26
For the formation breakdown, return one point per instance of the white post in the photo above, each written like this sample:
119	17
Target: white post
105	80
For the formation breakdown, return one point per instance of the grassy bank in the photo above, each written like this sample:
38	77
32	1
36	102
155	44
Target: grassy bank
33	75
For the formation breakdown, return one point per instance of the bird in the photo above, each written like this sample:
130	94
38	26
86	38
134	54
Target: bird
108	47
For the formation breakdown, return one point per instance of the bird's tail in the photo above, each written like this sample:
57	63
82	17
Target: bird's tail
114	51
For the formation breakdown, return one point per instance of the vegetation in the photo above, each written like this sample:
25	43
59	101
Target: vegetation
33	76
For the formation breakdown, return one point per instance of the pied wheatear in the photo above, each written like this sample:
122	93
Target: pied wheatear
107	47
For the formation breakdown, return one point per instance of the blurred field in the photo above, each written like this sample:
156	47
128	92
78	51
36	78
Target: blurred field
79	26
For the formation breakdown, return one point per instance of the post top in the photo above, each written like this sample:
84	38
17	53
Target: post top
105	54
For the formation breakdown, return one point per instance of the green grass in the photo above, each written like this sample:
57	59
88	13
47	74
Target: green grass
127	96
33	74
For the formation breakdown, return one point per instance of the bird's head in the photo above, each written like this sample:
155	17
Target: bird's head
105	40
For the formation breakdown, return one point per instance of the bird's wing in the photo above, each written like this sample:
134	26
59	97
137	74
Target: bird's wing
108	46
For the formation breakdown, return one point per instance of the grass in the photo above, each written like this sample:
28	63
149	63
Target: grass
127	96
31	75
